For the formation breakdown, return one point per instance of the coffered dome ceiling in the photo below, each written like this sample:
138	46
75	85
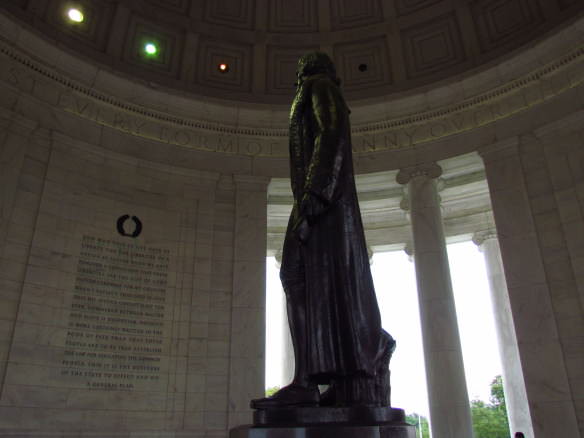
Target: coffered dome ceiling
379	46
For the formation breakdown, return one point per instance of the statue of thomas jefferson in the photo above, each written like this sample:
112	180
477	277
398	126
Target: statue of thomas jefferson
332	309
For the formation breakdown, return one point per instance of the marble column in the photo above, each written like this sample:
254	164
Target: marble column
542	292
450	415
409	250
513	384
287	348
288	367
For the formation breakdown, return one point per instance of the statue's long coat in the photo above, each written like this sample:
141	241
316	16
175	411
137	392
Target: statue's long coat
342	315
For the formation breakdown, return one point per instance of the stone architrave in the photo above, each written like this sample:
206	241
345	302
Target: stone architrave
513	384
447	392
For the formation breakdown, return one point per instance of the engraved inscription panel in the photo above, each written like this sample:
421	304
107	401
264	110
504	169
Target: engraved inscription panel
116	329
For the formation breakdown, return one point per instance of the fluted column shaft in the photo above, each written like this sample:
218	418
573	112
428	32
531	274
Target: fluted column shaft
513	383
543	290
447	393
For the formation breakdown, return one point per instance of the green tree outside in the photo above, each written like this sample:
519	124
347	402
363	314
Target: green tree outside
490	419
271	391
421	423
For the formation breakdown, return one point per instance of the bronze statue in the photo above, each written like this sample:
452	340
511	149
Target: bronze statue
332	309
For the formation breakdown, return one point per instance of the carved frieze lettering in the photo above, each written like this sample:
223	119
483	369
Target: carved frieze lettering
400	133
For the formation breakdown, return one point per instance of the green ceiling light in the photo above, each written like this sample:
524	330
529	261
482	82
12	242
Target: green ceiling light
75	15
150	49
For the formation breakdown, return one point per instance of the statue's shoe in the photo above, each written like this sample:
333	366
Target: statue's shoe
289	396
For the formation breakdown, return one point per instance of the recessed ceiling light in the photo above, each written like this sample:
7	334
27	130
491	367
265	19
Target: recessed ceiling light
223	67
362	67
75	15
150	49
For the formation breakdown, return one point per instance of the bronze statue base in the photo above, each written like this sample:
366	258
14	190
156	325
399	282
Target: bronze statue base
326	431
325	422
309	416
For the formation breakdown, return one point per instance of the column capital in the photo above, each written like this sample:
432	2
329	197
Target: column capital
278	257
426	170
404	204
409	250
370	254
482	236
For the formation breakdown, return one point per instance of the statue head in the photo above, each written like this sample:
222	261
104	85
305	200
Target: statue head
314	63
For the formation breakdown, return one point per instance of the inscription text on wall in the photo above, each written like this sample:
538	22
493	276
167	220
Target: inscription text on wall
115	334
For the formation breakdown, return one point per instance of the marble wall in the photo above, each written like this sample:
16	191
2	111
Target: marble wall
23	162
104	330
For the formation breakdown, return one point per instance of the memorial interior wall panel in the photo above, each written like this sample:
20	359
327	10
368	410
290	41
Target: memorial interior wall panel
116	296
23	162
247	349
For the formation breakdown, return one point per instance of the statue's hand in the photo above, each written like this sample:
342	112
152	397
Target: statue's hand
306	216
310	208
302	229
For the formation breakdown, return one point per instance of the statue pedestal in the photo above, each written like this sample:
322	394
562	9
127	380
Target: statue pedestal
323	431
322	422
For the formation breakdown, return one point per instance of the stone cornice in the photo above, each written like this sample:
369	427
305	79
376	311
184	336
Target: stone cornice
498	93
393	134
129	107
